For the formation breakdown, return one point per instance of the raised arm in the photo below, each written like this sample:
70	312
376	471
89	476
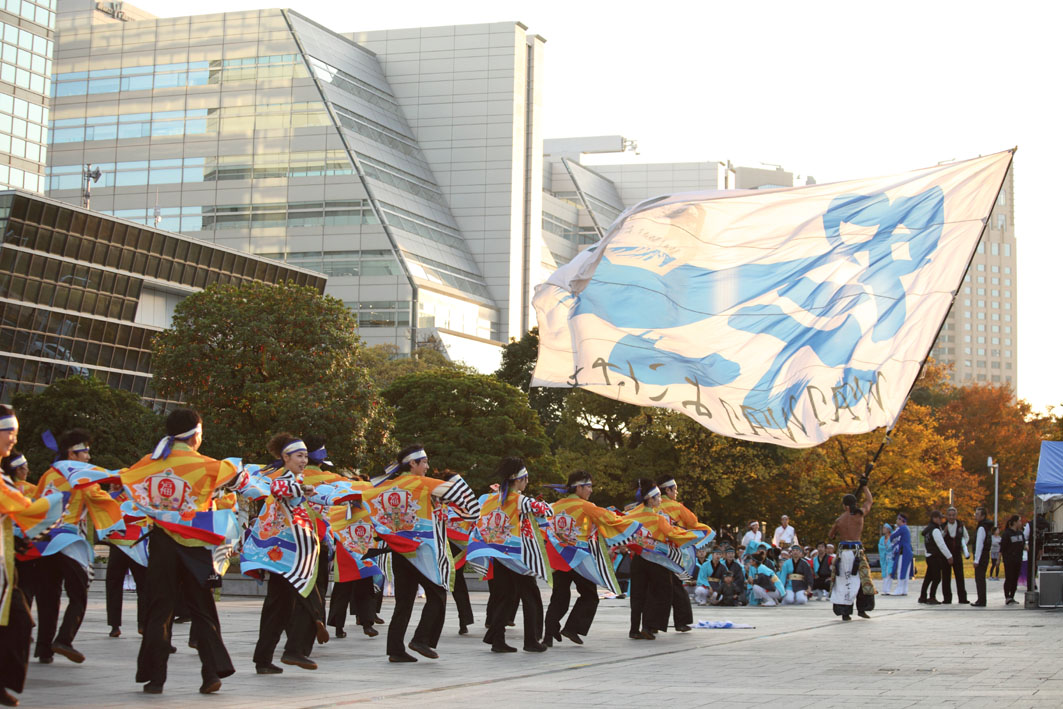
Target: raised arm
866	507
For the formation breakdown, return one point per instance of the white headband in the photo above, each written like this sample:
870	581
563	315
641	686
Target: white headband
17	462
8	423
668	483
522	473
79	447
652	492
189	434
294	447
416	455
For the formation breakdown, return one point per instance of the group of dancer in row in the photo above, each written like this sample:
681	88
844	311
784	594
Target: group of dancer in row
177	513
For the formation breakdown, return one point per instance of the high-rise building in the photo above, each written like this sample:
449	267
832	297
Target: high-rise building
980	336
26	30
400	164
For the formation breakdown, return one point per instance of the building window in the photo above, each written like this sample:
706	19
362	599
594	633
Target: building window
1002	221
994	249
1007	249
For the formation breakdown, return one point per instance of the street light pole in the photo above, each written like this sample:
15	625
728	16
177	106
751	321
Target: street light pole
995	469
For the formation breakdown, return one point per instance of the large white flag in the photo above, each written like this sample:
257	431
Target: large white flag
785	316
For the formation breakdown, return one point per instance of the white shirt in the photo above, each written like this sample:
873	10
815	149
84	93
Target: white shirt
940	541
784	535
751	536
963	542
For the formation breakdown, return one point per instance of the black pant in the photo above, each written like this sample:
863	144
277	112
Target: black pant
359	596
979	582
582	615
651	595
407	578
994	566
936	568
54	574
461	593
954	569
15	643
512	588
117	565
494	598
682	613
284	610
1012	568
175	571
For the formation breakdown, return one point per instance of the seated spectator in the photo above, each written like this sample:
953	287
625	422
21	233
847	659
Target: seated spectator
821	563
708	581
731	593
797	578
764	584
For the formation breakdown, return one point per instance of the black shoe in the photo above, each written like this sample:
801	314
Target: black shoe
463	629
863	614
172	649
641	635
422	649
847	617
378	620
46	660
370	631
933	602
947	603
68	652
210	686
153	688
621	597
404	657
502	647
322	633
572	636
534	647
548	641
182	618
978	604
269	669
115	632
921	600
193	643
7	700
682	628
298	660
1012	602
340	633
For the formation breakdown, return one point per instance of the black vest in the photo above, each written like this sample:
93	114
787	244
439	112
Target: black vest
987	542
954	543
932	549
801	578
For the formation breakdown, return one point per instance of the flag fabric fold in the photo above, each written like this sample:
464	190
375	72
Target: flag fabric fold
783	316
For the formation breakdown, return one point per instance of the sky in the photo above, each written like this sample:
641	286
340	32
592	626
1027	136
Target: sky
836	90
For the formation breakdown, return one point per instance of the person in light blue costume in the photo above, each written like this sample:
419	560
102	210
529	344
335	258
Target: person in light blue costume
765	588
885	557
903	566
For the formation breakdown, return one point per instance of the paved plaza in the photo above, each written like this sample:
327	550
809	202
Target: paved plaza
906	655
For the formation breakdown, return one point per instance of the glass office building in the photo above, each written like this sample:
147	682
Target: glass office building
82	293
265	132
26	43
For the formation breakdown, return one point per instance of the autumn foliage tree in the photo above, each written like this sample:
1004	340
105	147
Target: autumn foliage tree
259	358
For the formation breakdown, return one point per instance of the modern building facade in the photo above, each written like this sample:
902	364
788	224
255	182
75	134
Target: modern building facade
979	339
26	43
263	131
82	293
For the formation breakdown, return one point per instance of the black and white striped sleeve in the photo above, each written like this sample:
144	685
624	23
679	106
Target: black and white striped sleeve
456	493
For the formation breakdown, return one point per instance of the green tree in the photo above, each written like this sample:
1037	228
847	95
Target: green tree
467	423
122	428
518	363
258	358
385	364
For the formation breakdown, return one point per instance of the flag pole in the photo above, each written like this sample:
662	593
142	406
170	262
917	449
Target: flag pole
970	258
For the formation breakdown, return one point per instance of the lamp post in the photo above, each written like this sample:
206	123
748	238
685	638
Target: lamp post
994	468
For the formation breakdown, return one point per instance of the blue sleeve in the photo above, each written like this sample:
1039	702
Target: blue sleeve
704	573
784	574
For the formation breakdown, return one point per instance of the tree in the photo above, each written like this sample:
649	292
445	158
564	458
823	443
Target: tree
385	364
258	358
518	363
467	423
122	428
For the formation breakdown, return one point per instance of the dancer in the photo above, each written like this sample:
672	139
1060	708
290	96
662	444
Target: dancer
885	558
680	516
458	530
903	565
284	542
508	533
66	553
655	549
355	574
579	538
851	574
125	559
173	488
17	469
29	517
402	506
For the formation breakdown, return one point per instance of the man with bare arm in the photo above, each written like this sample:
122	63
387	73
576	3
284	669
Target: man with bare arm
851	572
